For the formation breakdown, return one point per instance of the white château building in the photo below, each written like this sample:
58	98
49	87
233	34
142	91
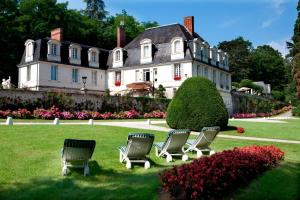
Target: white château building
164	55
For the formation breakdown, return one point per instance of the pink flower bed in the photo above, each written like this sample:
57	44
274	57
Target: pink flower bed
216	176
54	112
254	115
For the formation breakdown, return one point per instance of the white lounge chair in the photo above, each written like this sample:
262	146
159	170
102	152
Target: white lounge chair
203	140
173	145
76	154
138	146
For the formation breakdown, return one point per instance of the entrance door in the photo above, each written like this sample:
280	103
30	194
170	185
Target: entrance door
146	75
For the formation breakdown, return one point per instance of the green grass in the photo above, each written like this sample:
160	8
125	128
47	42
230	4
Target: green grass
30	167
287	131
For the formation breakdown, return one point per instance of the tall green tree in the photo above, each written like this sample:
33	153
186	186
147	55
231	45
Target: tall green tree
95	9
295	52
239	51
267	64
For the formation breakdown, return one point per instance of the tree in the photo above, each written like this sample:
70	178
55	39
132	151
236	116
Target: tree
95	9
239	51
197	104
160	92
295	52
267	64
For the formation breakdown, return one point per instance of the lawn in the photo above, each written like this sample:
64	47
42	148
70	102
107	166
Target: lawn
30	167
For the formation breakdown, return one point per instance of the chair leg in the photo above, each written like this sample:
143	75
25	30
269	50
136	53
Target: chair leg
169	157
147	165
121	157
185	157
128	164
199	153
211	152
86	170
64	170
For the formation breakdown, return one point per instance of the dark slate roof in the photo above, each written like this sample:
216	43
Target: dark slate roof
161	37
40	54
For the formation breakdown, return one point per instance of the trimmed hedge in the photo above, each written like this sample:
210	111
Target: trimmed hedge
197	104
215	177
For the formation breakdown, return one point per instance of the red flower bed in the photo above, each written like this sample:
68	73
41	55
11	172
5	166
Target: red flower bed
240	130
254	115
216	176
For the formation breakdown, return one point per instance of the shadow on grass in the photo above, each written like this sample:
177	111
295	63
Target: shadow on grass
101	184
280	183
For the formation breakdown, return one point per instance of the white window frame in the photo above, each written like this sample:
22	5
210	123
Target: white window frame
177	71
177	53
145	71
94	78
146	57
75	54
51	56
93	57
29	50
205	51
54	69
118	57
28	73
75	75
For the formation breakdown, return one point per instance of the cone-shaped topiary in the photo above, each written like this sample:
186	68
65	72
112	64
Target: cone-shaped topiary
196	104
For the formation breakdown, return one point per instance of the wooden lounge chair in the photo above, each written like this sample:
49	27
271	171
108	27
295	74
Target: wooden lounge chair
203	140
76	154
138	146
173	145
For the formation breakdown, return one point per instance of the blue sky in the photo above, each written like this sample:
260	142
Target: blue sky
260	21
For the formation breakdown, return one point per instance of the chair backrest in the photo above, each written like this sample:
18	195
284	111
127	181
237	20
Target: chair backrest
78	150
175	140
139	145
206	136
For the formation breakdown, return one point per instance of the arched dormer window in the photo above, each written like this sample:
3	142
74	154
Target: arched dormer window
177	48
75	54
93	56
118	57
226	60
146	51
29	50
53	53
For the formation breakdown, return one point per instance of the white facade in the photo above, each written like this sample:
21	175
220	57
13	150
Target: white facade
43	76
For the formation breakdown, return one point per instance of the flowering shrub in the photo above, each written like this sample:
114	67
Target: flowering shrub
117	83
216	176
83	115
21	114
177	78
240	130
67	115
155	114
254	115
54	112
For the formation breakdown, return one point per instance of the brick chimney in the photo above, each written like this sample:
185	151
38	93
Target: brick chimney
189	24
121	37
57	34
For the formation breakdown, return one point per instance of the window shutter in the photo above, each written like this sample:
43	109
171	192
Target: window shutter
113	78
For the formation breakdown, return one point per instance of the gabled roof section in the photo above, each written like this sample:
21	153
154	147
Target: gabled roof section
162	34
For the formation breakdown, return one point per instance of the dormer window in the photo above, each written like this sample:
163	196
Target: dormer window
74	54
146	51
118	57
54	50
221	58
93	56
177	51
205	51
29	50
213	55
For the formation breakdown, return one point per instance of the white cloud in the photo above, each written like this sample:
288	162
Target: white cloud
280	46
277	7
267	23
